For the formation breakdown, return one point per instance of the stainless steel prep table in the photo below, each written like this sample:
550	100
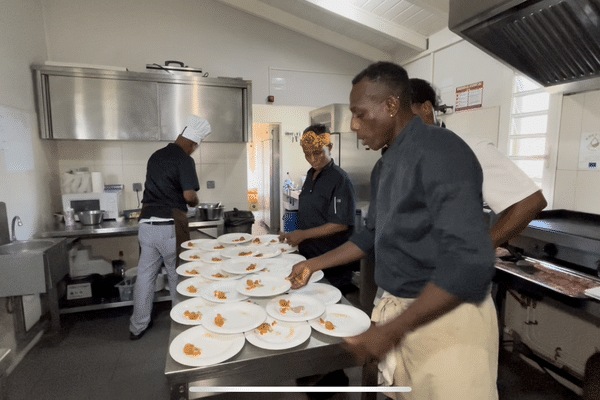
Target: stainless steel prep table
254	366
110	228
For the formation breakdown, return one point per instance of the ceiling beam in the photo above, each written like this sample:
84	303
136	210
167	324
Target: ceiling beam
403	36
289	21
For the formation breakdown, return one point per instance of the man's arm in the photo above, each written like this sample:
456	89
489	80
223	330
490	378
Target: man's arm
513	221
431	304
298	236
191	198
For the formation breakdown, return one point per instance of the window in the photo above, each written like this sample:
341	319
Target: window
527	141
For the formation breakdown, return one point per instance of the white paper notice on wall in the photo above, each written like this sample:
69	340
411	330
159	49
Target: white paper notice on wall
589	151
15	140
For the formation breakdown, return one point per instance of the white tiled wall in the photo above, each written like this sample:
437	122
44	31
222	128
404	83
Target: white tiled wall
576	189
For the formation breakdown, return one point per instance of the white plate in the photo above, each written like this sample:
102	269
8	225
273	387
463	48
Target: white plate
241	265
317	276
194	266
282	335
227	287
211	256
347	320
191	255
215	347
212	245
324	292
215	273
293	258
233	238
267	287
198	283
285	248
239	317
266	252
277	267
234	252
193	244
265	240
196	305
312	308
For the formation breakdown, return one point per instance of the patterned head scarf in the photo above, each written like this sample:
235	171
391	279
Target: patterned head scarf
313	142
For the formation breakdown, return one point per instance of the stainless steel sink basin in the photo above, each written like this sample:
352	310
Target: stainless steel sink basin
25	246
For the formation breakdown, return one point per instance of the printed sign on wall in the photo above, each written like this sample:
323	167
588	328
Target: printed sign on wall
469	97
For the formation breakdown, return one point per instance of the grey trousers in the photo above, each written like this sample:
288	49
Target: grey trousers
158	246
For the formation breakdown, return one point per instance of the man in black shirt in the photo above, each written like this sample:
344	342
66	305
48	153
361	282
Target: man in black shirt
171	185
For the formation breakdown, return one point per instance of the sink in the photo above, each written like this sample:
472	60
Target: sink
25	246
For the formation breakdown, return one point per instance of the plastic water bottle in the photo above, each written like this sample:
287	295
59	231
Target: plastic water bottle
69	217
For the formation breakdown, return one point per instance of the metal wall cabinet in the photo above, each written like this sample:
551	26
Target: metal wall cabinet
97	104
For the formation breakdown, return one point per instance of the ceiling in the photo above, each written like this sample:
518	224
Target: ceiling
372	29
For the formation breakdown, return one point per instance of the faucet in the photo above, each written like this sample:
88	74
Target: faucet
19	222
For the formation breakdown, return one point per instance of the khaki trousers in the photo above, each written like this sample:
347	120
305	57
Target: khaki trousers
453	357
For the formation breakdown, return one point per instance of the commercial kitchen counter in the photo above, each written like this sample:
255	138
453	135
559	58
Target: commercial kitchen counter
119	227
254	366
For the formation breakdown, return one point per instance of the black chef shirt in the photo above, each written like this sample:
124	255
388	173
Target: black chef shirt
170	172
328	199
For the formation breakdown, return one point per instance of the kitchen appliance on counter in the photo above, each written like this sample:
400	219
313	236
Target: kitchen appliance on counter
546	310
111	201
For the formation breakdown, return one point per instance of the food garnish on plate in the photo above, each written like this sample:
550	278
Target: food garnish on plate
194	257
328	324
192	289
220	295
259	255
251	267
219	275
241	239
192	272
244	253
219	247
192	316
257	241
191	350
217	259
219	321
264	328
253	284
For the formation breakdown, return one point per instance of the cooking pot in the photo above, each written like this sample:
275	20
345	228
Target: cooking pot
210	211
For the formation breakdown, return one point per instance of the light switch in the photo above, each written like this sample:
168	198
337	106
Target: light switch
210	184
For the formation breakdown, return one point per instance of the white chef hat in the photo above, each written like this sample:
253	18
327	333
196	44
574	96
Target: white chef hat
196	128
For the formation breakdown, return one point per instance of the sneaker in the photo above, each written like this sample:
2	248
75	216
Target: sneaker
139	335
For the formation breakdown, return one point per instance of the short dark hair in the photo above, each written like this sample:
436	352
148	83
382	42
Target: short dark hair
393	76
318	129
422	91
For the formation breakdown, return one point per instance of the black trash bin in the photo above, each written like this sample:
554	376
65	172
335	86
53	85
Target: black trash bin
238	221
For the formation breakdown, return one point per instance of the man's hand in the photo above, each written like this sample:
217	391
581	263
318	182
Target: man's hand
373	344
300	274
293	238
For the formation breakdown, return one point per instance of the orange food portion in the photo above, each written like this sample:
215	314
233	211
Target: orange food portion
192	272
192	289
192	316
259	255
216	259
220	295
244	253
219	321
191	350
273	241
264	328
257	241
251	267
329	326
252	285
220	275
241	239
195	257
190	244
284	303
220	247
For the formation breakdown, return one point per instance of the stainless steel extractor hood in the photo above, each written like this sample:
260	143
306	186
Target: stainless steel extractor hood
554	42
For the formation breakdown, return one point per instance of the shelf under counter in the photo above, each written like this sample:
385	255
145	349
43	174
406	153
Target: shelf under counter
82	306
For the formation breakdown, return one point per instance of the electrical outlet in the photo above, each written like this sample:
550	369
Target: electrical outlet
137	187
210	184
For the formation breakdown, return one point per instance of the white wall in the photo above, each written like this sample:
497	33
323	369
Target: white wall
452	62
25	193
